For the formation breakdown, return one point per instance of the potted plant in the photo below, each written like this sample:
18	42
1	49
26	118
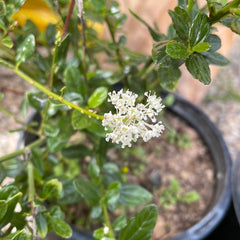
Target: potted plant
94	95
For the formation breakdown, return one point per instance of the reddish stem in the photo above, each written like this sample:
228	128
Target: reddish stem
65	28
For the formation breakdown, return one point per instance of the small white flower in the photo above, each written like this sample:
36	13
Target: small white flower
106	230
131	120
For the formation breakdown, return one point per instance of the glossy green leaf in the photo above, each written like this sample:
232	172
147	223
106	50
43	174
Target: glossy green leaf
56	212
180	21
26	49
3	207
235	25
141	225
201	47
73	97
96	212
97	97
11	204
24	107
113	193
199	30
19	220
154	34
51	188
50	130
70	195
41	223
60	227
7	42
76	152
168	77
56	143
74	80
8	191
133	195
197	65
21	235
87	190
96	127
79	120
119	223
177	50
216	58
37	100
214	41
93	169
183	3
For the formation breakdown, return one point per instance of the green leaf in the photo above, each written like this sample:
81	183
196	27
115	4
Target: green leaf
76	152
19	220
7	42
36	100
87	190
70	195
56	212
80	121
60	227
75	81
214	41
96	212
93	169
235	25
161	58
216	58
168	77
197	65
20	235
3	207
56	143
11	204
201	47
97	97
96	127
199	30
24	107
180	19
133	195
177	50
119	223
141	225
183	3
41	223
26	49
155	35
51	188
113	193
50	130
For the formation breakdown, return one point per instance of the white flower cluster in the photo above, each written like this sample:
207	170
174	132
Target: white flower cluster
131	120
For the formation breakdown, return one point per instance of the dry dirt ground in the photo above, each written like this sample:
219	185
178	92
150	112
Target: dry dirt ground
222	103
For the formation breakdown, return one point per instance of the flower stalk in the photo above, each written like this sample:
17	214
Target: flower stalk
49	93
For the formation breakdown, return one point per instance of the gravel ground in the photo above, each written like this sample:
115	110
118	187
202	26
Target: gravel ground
222	104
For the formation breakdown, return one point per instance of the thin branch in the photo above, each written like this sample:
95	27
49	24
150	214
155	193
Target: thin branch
70	11
80	15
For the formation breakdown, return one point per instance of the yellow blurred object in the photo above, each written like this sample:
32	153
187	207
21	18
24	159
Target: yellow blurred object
125	169
38	12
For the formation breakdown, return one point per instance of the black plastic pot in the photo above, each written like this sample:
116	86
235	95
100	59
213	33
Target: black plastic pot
222	160
220	157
